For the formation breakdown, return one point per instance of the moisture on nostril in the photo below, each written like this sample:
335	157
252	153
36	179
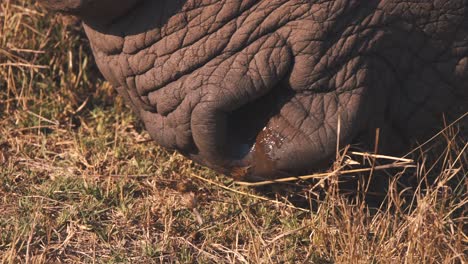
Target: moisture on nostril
263	161
252	138
269	139
257	160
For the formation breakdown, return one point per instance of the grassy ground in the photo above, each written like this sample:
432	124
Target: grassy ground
80	181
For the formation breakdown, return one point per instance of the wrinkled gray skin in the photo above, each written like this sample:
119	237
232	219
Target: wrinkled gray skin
262	84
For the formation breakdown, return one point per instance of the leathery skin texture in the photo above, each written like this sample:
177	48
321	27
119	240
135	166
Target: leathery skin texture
261	85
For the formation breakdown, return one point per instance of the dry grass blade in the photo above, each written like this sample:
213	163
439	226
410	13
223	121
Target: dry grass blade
25	65
247	194
402	165
288	233
379	156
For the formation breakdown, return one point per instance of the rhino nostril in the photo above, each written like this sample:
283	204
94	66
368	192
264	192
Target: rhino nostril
250	140
244	124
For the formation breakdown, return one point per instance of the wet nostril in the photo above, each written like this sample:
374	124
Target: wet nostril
252	140
245	124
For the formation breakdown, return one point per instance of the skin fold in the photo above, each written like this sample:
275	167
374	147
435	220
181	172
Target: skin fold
261	86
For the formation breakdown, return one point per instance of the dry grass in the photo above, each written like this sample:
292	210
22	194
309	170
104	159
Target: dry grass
80	182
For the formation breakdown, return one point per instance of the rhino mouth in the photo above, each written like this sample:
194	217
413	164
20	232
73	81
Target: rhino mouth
229	94
260	86
271	133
